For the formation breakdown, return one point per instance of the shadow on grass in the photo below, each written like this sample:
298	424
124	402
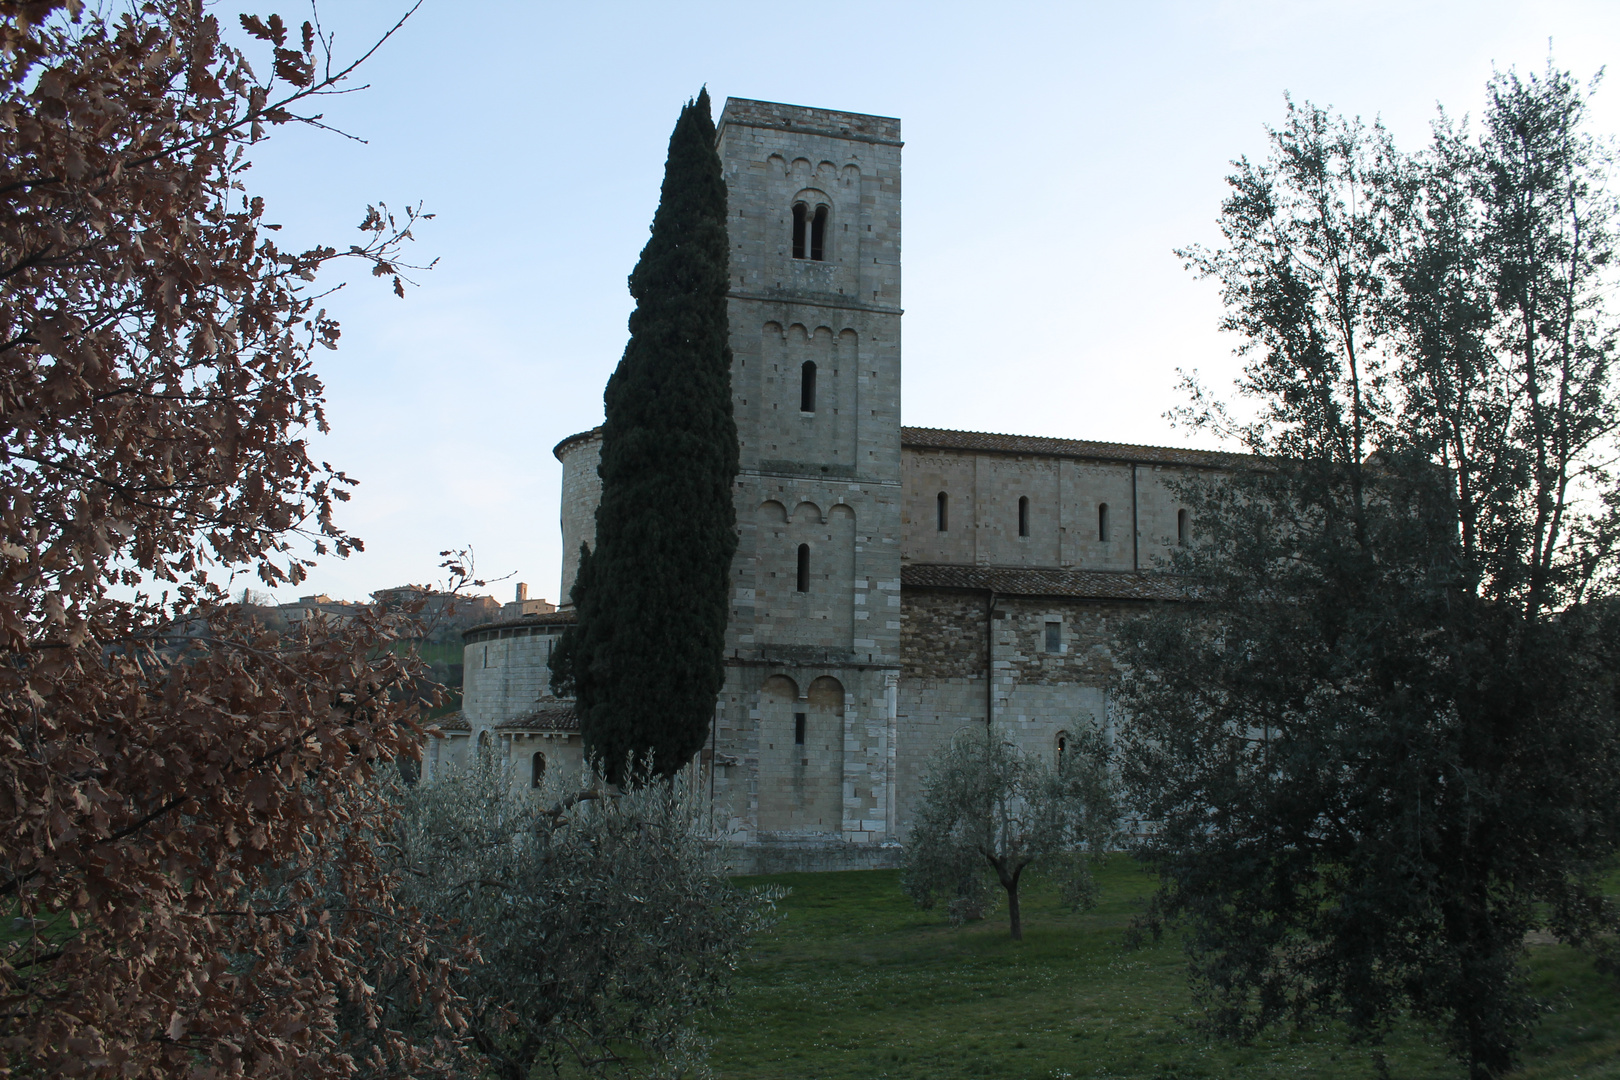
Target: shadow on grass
857	984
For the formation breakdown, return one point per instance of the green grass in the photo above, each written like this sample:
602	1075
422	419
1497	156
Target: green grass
857	983
447	652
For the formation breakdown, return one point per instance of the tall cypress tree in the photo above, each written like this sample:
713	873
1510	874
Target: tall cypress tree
646	657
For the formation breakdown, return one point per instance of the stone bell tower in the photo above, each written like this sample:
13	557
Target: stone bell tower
803	754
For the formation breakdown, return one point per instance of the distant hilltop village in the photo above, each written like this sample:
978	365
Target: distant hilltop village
446	615
893	585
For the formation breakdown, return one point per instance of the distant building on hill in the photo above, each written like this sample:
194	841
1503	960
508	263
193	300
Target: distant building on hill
444	615
522	607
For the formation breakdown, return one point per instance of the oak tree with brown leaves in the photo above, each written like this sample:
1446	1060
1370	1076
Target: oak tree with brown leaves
187	802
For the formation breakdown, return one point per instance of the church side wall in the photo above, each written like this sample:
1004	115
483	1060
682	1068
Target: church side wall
1037	694
1066	497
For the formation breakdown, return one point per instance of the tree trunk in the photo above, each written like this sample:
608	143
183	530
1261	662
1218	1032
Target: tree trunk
1009	881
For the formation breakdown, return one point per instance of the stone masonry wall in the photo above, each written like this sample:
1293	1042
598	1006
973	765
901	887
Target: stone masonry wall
1065	496
581	492
1037	694
505	675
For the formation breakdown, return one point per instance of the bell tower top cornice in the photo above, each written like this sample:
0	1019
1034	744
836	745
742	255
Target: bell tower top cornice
829	123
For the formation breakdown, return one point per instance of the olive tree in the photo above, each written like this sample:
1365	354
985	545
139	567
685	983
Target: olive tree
1384	744
602	918
992	810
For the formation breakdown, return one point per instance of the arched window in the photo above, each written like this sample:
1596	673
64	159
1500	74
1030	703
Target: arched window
486	748
801	215
810	231
1102	522
537	769
1062	749
804	567
798	729
1023	516
807	387
944	512
1182	528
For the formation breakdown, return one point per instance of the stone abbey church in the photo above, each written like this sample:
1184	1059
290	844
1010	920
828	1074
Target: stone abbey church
893	585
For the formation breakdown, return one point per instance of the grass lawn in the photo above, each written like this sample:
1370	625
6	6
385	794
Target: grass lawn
857	983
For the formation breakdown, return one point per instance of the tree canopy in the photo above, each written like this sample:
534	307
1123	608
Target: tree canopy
991	810
605	921
645	659
185	796
1382	745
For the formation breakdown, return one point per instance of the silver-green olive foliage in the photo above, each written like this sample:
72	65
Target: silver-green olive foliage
1382	744
990	812
604	922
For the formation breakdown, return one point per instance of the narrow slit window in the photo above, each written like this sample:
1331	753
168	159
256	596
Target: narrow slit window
1062	748
818	235
1182	528
804	567
1054	637
798	729
1023	516
807	387
800	221
537	770
1102	522
944	512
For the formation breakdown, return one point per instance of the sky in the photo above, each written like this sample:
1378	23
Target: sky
1056	157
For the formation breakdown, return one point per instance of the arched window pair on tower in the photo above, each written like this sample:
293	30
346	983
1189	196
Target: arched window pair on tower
810	232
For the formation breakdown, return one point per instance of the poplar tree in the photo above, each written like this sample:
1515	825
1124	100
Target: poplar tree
646	657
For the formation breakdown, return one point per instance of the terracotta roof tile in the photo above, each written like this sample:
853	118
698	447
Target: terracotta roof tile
1021	581
549	618
917	438
452	722
583	436
553	716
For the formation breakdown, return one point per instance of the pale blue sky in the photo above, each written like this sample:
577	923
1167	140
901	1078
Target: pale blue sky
1055	155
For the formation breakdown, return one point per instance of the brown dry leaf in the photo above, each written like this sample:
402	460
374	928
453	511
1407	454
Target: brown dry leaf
155	379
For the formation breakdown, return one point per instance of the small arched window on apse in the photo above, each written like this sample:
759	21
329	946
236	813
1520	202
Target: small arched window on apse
804	567
807	387
1102	522
944	512
1062	749
810	231
1023	516
537	769
1183	528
